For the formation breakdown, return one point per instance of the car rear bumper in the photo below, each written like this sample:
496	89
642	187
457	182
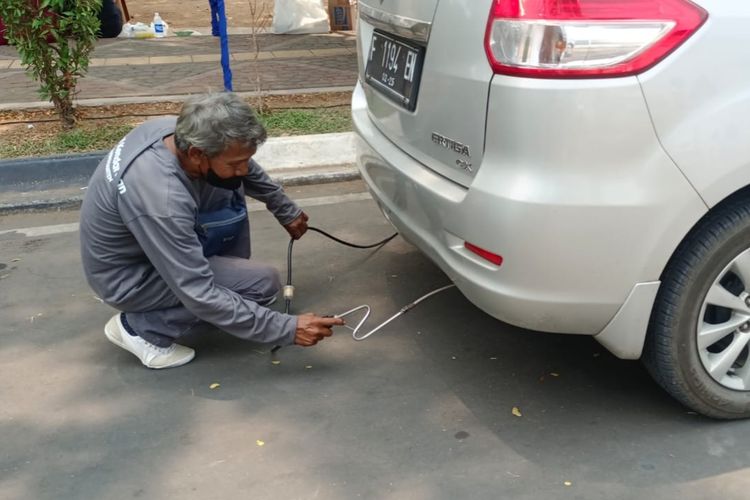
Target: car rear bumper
571	254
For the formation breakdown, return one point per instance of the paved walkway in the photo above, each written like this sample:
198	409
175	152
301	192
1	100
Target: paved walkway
176	65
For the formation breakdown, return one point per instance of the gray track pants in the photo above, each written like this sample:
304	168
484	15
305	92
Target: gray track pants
165	320
252	280
159	317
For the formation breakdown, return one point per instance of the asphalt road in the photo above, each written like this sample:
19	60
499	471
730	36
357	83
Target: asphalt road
421	410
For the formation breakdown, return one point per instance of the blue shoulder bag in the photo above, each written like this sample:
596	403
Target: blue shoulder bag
217	230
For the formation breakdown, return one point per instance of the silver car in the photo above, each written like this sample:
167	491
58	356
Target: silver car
575	166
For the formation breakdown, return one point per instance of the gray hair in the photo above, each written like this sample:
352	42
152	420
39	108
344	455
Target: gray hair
212	122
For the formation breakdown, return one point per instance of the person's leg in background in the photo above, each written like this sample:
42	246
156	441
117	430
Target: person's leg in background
110	20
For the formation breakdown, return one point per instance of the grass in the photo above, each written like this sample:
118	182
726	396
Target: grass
75	141
93	135
307	121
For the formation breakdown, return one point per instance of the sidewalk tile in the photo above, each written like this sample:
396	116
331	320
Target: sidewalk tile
292	54
124	61
123	68
330	52
250	56
169	59
206	58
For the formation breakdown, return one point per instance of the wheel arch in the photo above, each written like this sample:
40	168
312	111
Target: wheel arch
626	333
671	352
738	196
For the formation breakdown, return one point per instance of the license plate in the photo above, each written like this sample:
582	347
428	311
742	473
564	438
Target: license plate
394	68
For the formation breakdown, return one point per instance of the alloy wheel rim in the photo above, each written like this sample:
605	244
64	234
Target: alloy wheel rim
723	329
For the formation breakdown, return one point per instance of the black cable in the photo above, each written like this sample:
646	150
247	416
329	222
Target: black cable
353	245
288	301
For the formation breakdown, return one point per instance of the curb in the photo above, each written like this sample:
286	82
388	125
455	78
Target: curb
146	99
57	182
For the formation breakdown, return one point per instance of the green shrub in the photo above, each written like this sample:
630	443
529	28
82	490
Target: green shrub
70	27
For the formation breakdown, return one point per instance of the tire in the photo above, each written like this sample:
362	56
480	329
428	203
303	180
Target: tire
705	292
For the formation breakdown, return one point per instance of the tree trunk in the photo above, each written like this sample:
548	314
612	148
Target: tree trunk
66	112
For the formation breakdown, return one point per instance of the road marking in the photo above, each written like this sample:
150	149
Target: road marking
32	232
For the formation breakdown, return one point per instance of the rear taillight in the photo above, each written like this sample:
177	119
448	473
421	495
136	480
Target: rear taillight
586	38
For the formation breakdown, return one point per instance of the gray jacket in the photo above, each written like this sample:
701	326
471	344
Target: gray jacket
139	247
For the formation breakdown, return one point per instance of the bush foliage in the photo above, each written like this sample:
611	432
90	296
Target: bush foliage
54	39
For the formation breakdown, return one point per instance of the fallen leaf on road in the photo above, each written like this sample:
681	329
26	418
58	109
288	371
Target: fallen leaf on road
516	411
259	442
214	386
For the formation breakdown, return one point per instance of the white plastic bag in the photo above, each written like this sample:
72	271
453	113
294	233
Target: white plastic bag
299	17
137	30
127	31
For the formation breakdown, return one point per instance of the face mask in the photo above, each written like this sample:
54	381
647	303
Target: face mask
216	181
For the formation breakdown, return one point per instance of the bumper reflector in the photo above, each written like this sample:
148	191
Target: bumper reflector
487	255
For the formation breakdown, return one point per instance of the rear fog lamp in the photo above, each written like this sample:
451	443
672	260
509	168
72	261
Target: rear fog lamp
485	254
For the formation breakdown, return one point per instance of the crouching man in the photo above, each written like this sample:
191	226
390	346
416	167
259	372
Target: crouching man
165	237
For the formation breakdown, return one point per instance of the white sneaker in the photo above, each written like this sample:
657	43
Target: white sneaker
150	355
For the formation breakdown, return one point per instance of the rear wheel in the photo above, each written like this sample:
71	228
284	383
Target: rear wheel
699	333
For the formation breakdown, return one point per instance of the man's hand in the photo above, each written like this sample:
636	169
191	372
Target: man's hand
312	329
298	226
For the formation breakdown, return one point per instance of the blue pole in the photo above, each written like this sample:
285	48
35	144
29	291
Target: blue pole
214	17
224	40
